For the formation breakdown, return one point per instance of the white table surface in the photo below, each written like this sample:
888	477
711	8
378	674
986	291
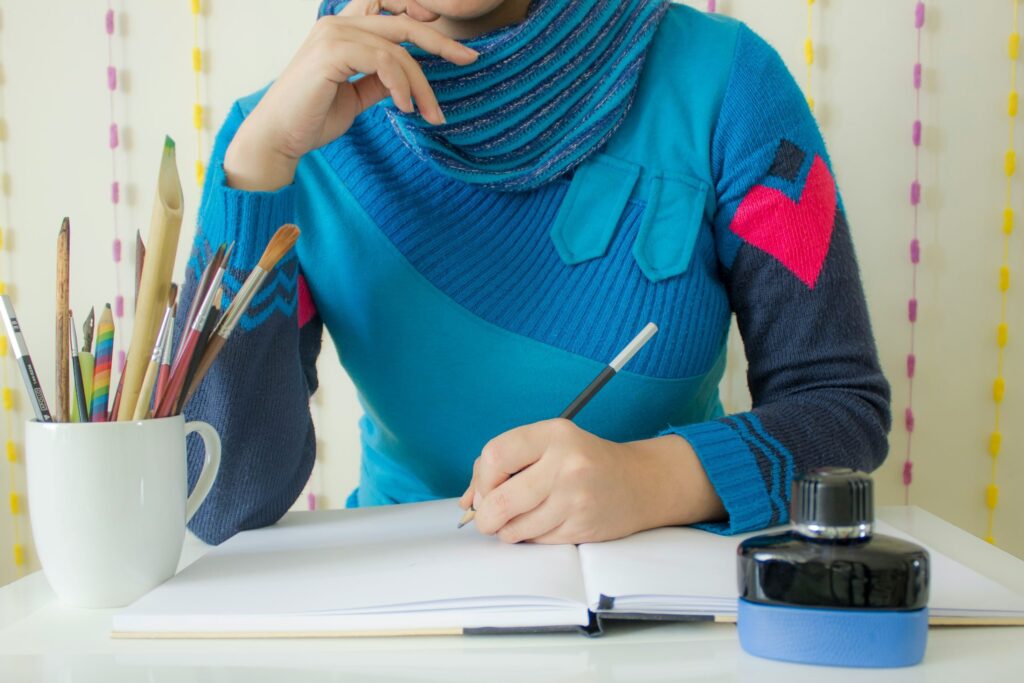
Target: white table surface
41	640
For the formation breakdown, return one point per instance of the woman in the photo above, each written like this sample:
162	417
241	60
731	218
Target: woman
488	216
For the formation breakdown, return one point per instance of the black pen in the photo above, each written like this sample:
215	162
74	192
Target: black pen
595	386
28	370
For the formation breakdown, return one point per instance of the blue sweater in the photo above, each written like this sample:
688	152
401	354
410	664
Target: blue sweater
462	312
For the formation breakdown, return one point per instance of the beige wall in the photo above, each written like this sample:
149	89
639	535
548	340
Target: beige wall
56	116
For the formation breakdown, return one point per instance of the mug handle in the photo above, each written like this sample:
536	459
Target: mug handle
211	465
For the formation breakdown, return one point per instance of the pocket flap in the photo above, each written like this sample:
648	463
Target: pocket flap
592	207
671	223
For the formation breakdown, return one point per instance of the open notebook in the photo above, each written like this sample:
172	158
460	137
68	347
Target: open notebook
407	570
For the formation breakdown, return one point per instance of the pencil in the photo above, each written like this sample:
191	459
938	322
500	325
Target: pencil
76	370
28	370
63	294
102	365
578	403
87	361
165	229
282	241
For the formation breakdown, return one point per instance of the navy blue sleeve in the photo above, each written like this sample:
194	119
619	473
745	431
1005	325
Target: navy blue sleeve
785	249
256	394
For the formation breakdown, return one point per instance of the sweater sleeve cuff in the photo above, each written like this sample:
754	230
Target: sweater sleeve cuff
249	219
733	471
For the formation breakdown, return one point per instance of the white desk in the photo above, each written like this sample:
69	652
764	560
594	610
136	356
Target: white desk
40	640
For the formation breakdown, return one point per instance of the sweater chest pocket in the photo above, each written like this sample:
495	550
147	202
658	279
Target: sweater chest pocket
597	198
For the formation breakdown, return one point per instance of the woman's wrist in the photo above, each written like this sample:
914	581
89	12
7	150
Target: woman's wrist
672	487
254	164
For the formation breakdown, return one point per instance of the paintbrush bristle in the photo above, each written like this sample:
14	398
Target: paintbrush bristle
283	240
172	295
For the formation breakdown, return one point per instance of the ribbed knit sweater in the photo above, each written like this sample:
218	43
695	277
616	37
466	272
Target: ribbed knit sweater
460	312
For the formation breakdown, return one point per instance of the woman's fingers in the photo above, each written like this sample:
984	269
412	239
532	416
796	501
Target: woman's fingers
507	454
402	29
543	522
517	496
372	7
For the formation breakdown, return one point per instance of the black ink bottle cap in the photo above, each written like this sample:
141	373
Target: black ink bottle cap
830	590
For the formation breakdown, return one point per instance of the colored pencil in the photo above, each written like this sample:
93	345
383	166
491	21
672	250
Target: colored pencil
146	393
87	361
101	368
76	370
28	370
284	239
63	294
165	229
591	390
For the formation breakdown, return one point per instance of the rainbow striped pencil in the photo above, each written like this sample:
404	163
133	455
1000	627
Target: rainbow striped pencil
101	371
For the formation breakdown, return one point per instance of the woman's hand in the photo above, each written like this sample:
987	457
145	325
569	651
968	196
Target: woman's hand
573	487
313	102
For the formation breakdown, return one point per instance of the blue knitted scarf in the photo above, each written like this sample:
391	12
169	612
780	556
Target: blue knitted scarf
544	95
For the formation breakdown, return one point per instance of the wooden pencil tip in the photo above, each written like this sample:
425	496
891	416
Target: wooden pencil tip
283	240
65	224
168	144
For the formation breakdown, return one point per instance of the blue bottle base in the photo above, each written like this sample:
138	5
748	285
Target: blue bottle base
833	637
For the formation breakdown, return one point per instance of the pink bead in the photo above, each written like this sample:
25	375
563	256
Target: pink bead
120	361
110	22
115	192
915	193
111	78
915	251
712	6
917	76
311	500
917	133
908	419
908	473
114	138
911	365
117	251
119	306
912	310
919	15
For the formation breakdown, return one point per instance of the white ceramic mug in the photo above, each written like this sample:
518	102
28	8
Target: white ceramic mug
108	504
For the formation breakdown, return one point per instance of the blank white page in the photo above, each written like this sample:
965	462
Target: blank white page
396	567
690	572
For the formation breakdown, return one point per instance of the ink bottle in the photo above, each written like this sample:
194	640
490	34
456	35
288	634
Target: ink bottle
829	590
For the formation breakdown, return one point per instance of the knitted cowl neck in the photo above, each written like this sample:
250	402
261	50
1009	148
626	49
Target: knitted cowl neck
544	95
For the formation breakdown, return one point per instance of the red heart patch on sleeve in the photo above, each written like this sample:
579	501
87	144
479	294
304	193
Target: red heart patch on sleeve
796	234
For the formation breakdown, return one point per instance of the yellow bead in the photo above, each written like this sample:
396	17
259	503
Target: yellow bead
197	116
809	51
15	504
3	287
1004	278
197	59
8	398
991	496
12	452
1007	221
195	6
1014	47
1002	334
995	443
1010	163
998	389
810	2
810	103
3	346
200	173
19	554
1012	106
990	540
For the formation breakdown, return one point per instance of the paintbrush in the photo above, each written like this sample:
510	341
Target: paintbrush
76	370
140	262
63	334
146	393
86	360
284	239
204	285
183	359
165	229
165	360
